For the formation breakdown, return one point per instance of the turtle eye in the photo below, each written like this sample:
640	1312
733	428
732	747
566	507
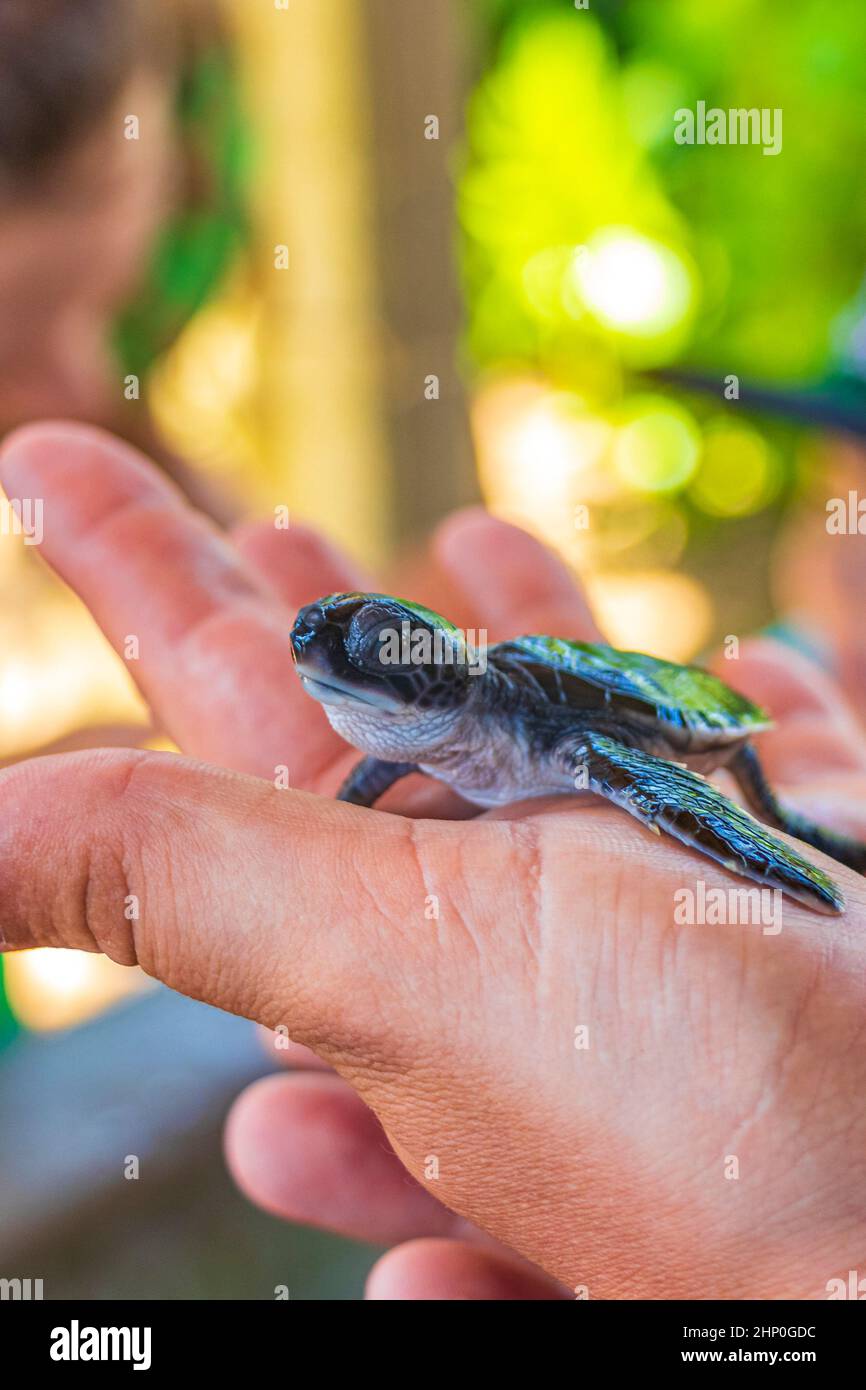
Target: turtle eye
368	631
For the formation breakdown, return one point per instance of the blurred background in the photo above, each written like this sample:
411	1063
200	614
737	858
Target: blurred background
370	260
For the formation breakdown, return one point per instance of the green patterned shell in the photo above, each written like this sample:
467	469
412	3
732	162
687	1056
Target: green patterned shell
684	697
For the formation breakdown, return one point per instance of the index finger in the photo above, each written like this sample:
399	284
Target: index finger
204	641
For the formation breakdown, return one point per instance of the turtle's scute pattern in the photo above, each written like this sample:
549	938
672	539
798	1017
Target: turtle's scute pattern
680	696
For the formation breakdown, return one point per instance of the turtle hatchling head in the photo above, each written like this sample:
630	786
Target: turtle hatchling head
393	677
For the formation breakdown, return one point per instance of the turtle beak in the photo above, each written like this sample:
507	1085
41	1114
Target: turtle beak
317	645
319	655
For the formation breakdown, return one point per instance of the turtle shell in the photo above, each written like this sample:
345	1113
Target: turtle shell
679	697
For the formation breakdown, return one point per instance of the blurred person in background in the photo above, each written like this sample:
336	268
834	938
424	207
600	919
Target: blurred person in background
113	231
120	154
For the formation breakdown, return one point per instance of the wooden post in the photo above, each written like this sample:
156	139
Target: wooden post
418	70
368	310
320	397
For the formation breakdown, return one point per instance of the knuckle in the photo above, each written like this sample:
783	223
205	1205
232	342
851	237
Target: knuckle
112	874
108	901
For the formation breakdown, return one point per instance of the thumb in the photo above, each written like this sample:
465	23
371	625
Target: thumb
278	905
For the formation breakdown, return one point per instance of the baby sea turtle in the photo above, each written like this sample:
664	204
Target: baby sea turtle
538	715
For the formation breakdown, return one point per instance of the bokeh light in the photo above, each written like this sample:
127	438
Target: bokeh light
632	285
739	472
541	458
57	673
51	989
663	612
657	449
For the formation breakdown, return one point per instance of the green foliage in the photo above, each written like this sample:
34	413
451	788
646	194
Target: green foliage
571	131
8	1026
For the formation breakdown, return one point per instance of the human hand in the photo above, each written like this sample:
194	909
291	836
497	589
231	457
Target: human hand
307	1148
604	1165
99	478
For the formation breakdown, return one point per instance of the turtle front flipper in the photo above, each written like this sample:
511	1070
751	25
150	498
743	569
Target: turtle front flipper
666	796
370	778
746	767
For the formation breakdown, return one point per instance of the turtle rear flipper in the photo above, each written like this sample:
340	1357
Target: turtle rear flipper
746	767
668	797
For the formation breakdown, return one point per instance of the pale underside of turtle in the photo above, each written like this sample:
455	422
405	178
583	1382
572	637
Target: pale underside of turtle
552	716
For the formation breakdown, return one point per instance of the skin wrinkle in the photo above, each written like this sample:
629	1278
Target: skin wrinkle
825	1082
598	939
773	1096
446	880
122	951
729	951
413	829
387	925
447	874
527	839
272	996
671	943
464	844
385	946
372	1067
631	977
548	1221
120	943
616	963
616	947
399	1078
133	865
130	950
219	976
505	937
788	1052
433	943
439	882
782	1247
